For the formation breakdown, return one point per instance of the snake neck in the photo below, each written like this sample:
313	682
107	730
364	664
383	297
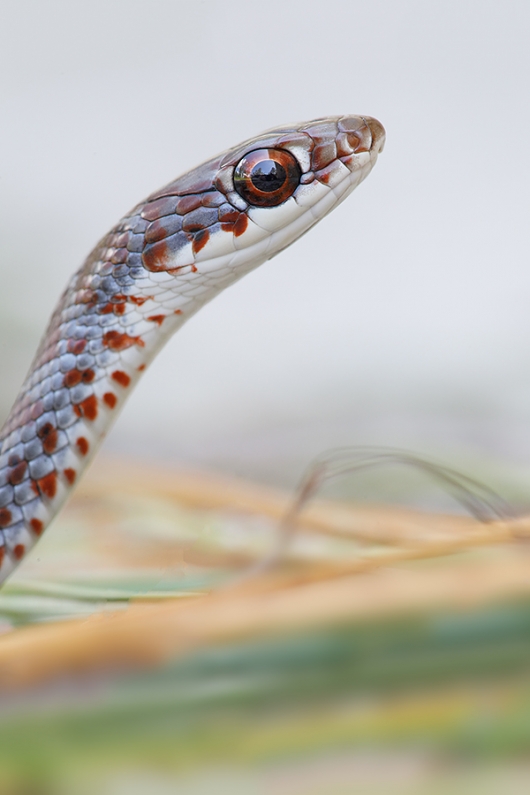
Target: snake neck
111	321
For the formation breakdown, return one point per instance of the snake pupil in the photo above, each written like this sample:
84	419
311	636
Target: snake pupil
268	176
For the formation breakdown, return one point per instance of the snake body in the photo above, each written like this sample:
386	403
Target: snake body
166	258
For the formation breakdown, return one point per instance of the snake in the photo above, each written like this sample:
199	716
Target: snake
164	260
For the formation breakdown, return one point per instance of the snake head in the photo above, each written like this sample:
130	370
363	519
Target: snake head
242	207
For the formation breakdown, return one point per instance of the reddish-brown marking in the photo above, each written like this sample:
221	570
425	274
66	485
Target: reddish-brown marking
121	378
241	224
324	175
37	526
200	240
18	551
2	553
228	216
70	475
139	300
82	445
178	311
76	346
89	407
110	399
72	378
157	319
141	368
118	309
77	410
16	475
5	517
48	434
118	342
48	485
156	256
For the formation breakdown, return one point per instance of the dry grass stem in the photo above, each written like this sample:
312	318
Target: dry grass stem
288	597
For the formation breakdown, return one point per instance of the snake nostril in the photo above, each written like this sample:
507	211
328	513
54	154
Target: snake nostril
360	140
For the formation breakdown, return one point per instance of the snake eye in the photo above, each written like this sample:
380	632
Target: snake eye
267	177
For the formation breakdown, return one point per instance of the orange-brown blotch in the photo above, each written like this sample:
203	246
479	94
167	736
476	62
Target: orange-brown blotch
70	475
88	408
18	551
37	526
5	517
48	485
121	378
82	445
48	435
110	399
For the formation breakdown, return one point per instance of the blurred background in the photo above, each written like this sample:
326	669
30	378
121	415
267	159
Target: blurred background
402	319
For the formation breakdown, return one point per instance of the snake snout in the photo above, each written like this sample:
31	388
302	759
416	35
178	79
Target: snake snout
364	133
378	133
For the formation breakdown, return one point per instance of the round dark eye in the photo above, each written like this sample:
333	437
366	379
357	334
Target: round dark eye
267	177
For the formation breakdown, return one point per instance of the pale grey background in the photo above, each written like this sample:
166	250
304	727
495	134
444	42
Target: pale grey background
402	319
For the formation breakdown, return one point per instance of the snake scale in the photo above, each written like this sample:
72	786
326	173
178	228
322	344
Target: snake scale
165	259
